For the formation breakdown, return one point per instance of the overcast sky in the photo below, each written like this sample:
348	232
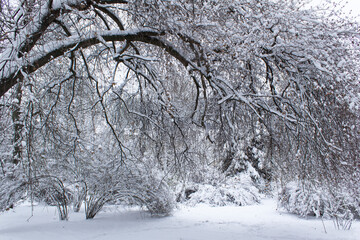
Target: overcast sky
351	6
355	4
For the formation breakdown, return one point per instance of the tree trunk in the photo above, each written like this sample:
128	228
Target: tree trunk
18	126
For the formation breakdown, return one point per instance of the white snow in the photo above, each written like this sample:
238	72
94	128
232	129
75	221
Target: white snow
261	221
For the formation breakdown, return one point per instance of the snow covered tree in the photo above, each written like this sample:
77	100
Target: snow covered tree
273	83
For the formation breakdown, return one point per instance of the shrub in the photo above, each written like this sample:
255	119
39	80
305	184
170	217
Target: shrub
321	201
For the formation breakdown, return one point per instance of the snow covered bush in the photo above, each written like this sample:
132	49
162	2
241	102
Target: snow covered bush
147	188
52	191
46	189
11	192
232	192
321	201
128	184
215	189
157	197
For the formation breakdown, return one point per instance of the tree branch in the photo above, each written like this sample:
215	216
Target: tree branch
54	50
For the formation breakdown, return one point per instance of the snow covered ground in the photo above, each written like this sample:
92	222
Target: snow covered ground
201	222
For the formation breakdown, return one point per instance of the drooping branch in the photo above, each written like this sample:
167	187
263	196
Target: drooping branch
46	16
54	50
26	37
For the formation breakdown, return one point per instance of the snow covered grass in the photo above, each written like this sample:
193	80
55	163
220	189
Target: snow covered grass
261	221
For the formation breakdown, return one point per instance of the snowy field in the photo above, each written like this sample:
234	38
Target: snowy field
200	222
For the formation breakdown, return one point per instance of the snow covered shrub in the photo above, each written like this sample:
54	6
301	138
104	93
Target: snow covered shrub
219	190
159	200
301	201
320	201
94	201
99	188
127	184
49	190
52	191
146	188
11	192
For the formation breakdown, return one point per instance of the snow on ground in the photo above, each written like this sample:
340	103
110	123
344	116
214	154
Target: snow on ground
261	221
